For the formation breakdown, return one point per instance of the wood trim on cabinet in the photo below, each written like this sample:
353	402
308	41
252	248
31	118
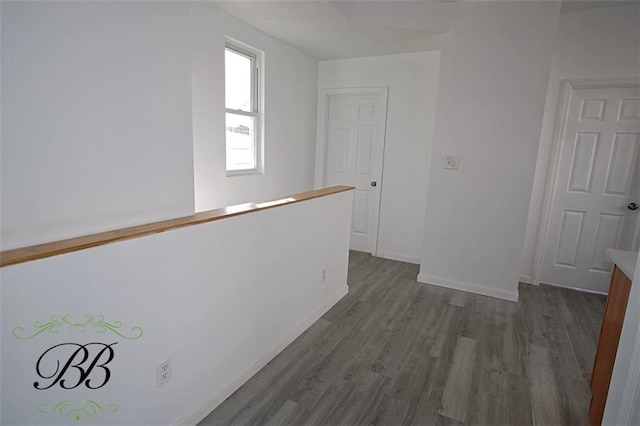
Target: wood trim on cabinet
610	331
41	251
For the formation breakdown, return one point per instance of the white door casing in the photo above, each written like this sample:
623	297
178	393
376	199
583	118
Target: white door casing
354	125
596	176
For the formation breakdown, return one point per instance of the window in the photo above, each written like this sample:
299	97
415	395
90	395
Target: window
243	110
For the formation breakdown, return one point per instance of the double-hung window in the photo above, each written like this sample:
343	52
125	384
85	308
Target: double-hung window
243	113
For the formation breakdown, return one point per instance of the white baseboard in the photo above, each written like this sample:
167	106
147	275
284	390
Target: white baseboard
469	287
398	257
583	290
527	279
207	405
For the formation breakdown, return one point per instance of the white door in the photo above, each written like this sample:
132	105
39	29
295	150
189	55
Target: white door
597	178
355	134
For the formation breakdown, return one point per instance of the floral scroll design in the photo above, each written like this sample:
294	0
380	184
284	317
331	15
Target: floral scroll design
77	410
62	322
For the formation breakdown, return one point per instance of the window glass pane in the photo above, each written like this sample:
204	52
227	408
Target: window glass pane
237	78
241	147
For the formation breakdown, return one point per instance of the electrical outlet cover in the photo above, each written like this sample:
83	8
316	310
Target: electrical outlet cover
163	372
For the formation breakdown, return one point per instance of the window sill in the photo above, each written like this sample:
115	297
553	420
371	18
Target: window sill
232	173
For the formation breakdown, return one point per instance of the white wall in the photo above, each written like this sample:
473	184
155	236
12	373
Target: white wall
494	69
98	126
594	43
412	81
290	115
220	299
96	117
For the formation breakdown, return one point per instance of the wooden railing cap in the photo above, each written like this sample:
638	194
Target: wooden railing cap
41	251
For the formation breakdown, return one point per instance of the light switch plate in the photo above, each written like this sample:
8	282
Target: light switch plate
450	162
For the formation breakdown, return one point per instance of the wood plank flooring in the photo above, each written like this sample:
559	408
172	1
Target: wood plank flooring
398	352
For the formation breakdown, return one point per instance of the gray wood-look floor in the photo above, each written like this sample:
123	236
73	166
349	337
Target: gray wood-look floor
398	352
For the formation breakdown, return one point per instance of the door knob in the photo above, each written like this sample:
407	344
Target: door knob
632	206
374	183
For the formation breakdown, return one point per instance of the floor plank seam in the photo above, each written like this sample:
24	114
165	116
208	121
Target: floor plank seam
395	351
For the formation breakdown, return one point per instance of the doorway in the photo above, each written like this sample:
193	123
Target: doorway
595	185
353	137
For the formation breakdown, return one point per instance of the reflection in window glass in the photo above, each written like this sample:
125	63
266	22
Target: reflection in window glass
241	148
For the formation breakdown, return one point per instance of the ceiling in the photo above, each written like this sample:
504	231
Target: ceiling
356	28
347	29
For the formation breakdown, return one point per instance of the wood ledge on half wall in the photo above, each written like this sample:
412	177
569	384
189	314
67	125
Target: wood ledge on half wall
41	251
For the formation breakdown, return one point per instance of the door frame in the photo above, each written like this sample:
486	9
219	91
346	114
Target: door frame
566	88
322	145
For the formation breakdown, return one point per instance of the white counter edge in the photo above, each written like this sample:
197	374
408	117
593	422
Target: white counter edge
625	260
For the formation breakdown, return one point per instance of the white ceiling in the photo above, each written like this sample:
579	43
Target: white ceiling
346	29
357	28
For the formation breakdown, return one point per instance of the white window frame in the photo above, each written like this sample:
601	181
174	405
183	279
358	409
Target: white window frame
257	105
